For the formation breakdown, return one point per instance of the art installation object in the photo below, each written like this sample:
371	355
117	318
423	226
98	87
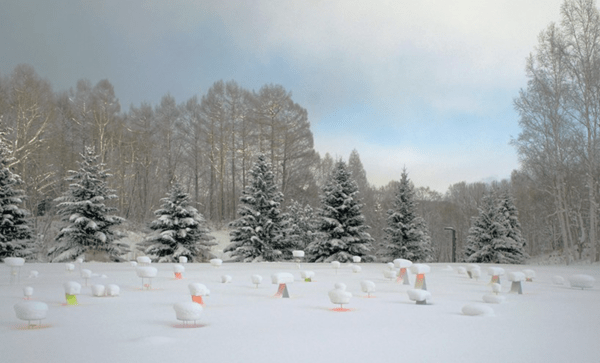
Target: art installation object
198	291
298	256
471	268
178	270
69	267
368	287
307	276
144	260
402	265
493	298
256	280
336	266
496	288
495	272
418	295
216	262
390	274
183	259
356	259
282	279
356	268
98	290
133	263
516	279
33	274
529	275
225	279
72	289
188	312
461	270
146	273
31	311
15	264
420	270
112	290
581	281
340	296
27	292
86	275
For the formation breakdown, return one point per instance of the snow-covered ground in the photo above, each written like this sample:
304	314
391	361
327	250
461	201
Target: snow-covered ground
242	323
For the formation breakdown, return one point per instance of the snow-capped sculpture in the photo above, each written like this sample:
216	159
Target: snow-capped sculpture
147	273
27	292
356	269
187	312
256	280
112	290
402	265
340	296
529	275
216	262
418	295
178	270
198	291
307	276
368	287
516	279
31	311
86	275
582	281
356	259
420	270
282	279
98	290
225	279
183	259
144	260
336	266
495	272
72	289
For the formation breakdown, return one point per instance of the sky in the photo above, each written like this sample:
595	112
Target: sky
422	85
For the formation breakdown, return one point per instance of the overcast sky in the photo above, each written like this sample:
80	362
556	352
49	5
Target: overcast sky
426	85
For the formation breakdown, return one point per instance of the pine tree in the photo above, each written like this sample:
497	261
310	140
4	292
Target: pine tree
341	224
407	235
15	228
509	210
89	224
299	225
488	240
257	233
179	231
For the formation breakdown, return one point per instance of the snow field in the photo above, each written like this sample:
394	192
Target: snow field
243	323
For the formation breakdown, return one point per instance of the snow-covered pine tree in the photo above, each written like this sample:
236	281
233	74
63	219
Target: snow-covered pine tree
507	206
15	228
299	225
257	233
179	230
341	224
407	235
488	240
88	223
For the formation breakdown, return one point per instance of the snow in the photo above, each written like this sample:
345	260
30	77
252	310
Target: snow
307	274
367	286
298	253
419	268
27	291
418	295
98	290
198	289
356	269
178	268
256	279
72	287
402	263
69	266
183	259
86	274
558	280
216	262
282	278
548	323
495	271
477	309
143	260
225	279
493	298
31	310
187	311
516	276
14	261
339	295
113	290
146	271
356	259
582	281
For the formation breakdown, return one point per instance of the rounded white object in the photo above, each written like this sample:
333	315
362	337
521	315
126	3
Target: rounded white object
558	280
307	274
72	288
256	279
86	274
356	269
418	294
69	267
187	311
340	286
298	253
419	268
33	274
143	260
14	261
530	274
356	259
402	263
28	291
496	287
367	286
476	272
582	281
495	271
79	260
493	298
183	259
216	262
477	309
282	278
98	290
133	263
226	279
197	289
31	310
461	270
390	274
516	276
339	296
472	267
390	265
178	268
335	264
112	290
146	271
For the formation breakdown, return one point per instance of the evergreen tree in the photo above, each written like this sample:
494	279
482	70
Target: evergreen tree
15	229
257	233
407	235
89	224
179	230
488	240
507	207
299	225
341	225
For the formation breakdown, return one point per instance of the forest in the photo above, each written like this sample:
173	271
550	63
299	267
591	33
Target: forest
209	143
